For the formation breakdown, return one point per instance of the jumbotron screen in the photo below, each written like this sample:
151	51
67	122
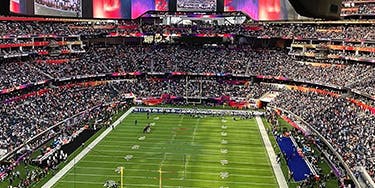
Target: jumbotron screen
126	8
249	7
111	8
131	9
62	8
196	5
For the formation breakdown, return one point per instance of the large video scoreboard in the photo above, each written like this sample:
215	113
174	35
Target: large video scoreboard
131	9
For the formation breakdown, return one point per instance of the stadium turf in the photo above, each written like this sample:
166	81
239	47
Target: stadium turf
188	151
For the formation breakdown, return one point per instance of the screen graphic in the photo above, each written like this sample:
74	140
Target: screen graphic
250	7
141	6
131	9
161	5
63	8
196	5
15	6
21	7
270	10
111	9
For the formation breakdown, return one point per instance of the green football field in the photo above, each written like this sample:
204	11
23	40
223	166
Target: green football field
180	151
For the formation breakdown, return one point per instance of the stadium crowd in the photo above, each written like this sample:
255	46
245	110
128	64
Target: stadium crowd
352	31
15	73
366	84
345	125
25	118
180	58
311	149
358	8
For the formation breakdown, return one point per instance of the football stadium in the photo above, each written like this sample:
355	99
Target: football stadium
187	93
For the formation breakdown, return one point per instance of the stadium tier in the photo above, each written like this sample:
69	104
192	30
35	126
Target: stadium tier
362	8
64	82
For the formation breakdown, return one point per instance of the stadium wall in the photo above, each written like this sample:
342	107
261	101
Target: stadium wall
77	142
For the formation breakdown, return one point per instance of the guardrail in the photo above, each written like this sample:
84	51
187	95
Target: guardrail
367	178
355	180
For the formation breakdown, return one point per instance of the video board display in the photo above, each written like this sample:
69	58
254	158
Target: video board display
111	8
126	9
262	9
15	6
161	5
249	7
196	5
270	10
141	6
131	9
63	8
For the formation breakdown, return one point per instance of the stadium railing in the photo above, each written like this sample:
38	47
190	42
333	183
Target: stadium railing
366	177
347	168
11	153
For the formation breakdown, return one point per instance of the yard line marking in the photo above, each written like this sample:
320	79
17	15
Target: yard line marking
271	154
178	165
166	172
164	158
165	130
219	181
175	132
126	184
173	138
195	131
112	176
234	142
82	182
147	170
84	152
238	143
186	162
160	169
200	160
206	150
243	156
209	147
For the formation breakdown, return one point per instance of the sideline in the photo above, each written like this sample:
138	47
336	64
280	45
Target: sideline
271	154
87	149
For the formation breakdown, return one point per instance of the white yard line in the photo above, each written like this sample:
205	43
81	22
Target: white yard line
146	170
73	162
187	179
238	151
166	172
195	131
208	161
127	184
175	133
271	154
186	162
